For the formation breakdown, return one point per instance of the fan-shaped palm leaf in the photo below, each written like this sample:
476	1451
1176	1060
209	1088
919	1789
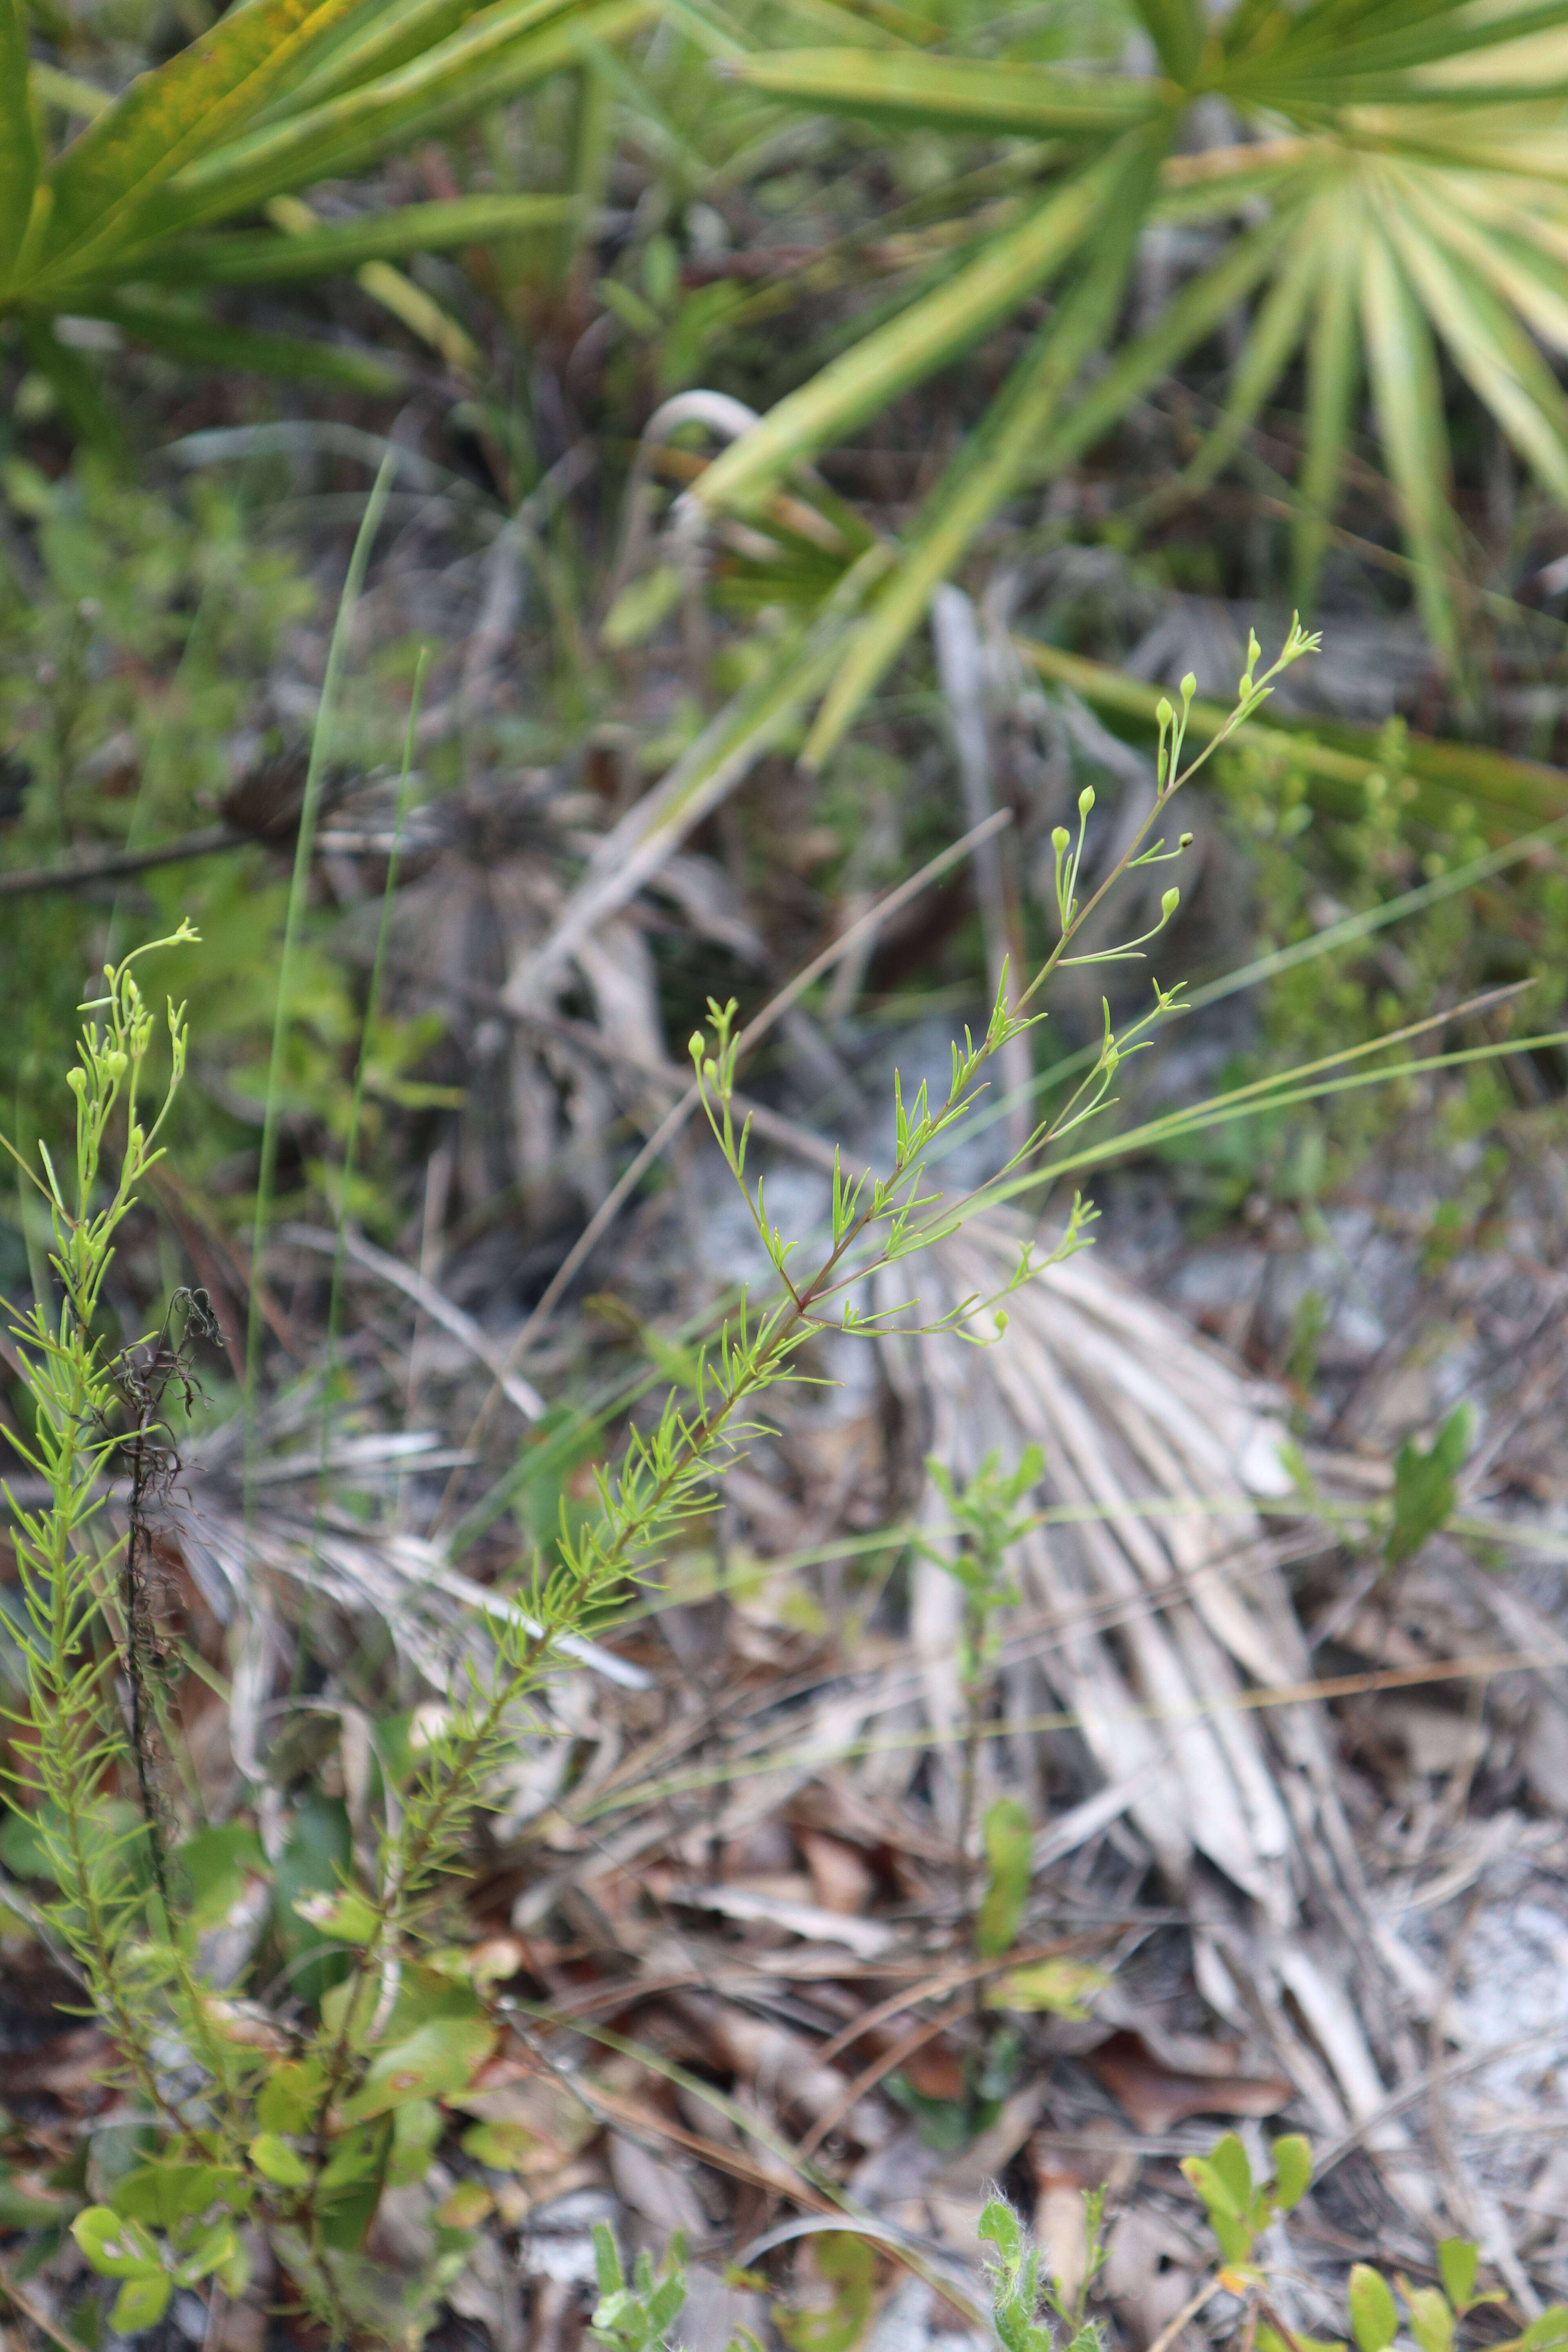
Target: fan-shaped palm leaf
1413	161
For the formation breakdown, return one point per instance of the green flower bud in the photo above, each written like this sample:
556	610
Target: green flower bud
1169	903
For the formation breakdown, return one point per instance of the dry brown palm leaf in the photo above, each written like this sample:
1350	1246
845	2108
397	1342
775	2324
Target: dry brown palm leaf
1155	1611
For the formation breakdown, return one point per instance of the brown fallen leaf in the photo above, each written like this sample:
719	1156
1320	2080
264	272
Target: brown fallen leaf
838	1872
1156	2095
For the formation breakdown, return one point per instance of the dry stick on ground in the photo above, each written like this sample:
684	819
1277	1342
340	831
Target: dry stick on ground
676	1119
118	863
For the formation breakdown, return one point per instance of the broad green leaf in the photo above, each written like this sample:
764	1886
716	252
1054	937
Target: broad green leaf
989	467
440	2058
210	1870
169	118
1334	372
1227	2162
1009	1848
1549	2333
278	2162
913	345
999	2228
1458	2261
1425	1489
1374	2321
1060	1988
505	2147
952	93
18	136
416	2129
215	2250
1408	392
849	2266
346	1917
1293	2159
141	2303
114	2245
289	2097
252	257
1212	2187
497	53
165	2194
1431	2317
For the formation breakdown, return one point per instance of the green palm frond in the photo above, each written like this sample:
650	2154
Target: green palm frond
1412	160
278	96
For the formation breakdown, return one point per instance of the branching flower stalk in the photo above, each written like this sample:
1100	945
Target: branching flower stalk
297	2120
71	1742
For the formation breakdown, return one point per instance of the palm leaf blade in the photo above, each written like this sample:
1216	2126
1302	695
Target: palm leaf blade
949	93
169	118
914	344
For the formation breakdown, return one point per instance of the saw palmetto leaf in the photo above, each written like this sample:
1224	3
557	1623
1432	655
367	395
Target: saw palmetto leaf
917	342
1407	390
991	465
259	258
171	118
1412	160
18	136
278	95
1333	373
498	53
951	93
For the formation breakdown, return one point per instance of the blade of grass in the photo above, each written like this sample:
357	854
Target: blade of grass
362	1063
298	893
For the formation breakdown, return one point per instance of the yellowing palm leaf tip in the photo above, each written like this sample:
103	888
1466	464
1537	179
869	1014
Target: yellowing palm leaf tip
278	95
1393	192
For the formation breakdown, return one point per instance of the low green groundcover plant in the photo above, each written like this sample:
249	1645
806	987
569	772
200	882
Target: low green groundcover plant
292	2113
